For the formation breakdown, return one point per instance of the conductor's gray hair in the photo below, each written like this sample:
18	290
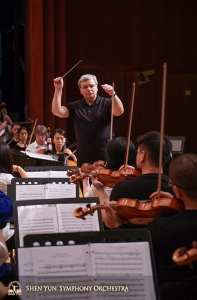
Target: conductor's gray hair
87	77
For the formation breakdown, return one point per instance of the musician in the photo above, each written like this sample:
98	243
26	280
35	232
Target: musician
8	272
171	232
116	149
7	168
58	139
5	127
14	135
140	187
91	115
23	136
40	141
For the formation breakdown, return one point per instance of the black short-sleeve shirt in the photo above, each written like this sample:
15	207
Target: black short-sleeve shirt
92	128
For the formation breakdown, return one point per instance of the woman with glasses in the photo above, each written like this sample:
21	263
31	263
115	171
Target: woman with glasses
91	115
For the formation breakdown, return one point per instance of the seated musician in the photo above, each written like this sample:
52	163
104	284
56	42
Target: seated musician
6	174
170	232
7	168
116	149
8	272
23	136
140	187
58	139
5	127
40	141
14	135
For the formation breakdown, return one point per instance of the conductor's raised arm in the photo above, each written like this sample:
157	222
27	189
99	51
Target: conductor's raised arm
57	109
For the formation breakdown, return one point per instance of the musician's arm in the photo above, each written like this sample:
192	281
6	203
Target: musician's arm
3	125
20	170
3	250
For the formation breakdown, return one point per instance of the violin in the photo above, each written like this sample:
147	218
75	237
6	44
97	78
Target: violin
107	177
134	211
88	168
182	256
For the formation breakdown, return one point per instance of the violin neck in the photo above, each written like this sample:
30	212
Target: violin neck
101	206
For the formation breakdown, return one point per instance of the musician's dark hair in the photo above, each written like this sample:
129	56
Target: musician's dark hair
15	123
183	174
150	142
61	132
116	149
6	161
22	128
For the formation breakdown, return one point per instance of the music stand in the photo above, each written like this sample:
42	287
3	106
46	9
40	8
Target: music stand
178	143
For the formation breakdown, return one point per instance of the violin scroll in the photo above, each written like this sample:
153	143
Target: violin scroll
81	213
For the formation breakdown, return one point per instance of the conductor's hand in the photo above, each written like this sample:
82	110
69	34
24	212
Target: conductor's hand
58	83
108	89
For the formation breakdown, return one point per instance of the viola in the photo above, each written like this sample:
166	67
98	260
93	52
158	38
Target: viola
135	211
182	256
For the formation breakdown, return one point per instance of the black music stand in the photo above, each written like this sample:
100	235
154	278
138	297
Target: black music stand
132	236
41	204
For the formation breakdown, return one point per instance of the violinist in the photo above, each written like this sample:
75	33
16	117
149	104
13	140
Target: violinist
91	115
14	135
40	141
140	187
171	232
58	138
115	159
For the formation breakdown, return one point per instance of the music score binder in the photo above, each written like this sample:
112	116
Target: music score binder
113	264
53	216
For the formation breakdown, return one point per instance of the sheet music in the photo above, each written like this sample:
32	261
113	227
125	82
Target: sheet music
45	191
68	222
53	218
25	271
34	219
40	156
27	192
61	190
48	174
60	267
125	266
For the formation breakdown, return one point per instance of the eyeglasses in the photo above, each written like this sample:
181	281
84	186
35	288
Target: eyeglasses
85	87
179	186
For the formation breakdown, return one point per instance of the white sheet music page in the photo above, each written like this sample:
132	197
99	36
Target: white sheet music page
33	191
40	174
68	222
25	271
56	174
60	190
124	264
58	269
34	219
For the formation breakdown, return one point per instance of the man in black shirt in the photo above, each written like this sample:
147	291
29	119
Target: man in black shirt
140	187
92	117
